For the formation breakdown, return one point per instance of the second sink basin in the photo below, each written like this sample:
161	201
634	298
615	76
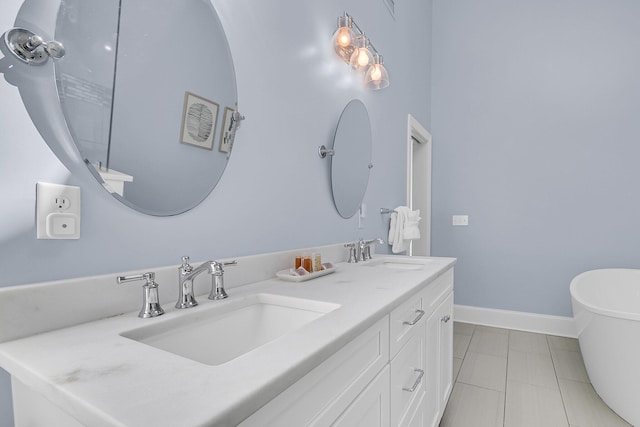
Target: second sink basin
216	335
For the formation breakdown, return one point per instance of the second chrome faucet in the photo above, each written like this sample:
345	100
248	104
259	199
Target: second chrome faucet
361	250
186	274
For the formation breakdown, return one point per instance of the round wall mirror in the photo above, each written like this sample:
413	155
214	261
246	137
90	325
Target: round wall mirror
148	92
351	161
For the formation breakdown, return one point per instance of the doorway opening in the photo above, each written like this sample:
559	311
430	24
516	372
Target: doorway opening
419	142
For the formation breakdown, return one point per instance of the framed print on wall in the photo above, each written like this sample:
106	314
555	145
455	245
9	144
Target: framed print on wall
227	133
199	119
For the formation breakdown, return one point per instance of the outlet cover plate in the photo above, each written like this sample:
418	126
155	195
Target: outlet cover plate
57	211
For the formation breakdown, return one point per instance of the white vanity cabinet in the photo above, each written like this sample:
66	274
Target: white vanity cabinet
398	373
322	396
432	312
439	354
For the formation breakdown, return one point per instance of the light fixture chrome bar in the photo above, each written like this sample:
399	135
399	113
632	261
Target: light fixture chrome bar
360	32
356	49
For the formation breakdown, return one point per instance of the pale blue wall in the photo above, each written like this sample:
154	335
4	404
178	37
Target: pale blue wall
275	192
536	118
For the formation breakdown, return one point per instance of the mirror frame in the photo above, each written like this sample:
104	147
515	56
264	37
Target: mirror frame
160	192
351	160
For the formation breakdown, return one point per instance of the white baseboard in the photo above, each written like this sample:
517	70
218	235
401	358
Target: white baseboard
529	322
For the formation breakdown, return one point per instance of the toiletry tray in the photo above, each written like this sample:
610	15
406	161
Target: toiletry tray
286	275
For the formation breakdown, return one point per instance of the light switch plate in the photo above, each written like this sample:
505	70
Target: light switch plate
460	220
57	211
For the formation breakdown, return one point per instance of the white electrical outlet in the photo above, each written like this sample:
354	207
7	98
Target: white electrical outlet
462	220
57	211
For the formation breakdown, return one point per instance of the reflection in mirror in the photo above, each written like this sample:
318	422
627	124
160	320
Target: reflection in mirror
148	92
351	161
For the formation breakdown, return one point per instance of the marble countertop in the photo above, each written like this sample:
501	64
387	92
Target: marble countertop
104	379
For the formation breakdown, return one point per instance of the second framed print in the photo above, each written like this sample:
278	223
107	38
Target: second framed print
227	133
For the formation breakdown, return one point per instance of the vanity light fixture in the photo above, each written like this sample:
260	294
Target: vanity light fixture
361	57
376	76
356	49
343	38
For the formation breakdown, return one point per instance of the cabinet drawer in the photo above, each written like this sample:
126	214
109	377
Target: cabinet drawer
408	376
437	291
326	391
403	320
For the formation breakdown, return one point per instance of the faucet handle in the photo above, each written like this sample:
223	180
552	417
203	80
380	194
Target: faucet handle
217	266
150	299
378	240
149	277
217	283
366	253
185	268
353	251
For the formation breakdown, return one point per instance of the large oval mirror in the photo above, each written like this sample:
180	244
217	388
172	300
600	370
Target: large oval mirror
148	91
351	161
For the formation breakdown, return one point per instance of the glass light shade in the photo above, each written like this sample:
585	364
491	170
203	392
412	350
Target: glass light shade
343	38
377	76
361	57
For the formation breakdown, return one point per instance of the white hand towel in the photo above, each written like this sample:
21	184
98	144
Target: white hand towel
411	230
396	230
403	227
392	228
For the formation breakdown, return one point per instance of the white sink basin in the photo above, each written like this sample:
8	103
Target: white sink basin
399	263
216	335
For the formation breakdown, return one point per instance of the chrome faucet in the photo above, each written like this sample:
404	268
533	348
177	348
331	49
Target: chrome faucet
361	250
186	274
365	248
150	302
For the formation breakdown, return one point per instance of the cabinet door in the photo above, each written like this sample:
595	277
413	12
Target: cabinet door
432	371
371	407
319	397
439	364
417	418
445	316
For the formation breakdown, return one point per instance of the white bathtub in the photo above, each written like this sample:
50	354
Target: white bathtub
606	308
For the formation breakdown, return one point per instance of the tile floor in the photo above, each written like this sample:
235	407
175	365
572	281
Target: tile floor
510	378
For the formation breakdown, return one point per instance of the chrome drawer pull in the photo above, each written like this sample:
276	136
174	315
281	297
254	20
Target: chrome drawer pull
416	320
417	383
446	318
